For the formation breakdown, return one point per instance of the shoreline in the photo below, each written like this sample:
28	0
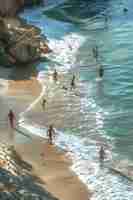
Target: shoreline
53	167
60	174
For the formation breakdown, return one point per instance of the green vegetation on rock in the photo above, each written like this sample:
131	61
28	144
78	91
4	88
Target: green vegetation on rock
4	58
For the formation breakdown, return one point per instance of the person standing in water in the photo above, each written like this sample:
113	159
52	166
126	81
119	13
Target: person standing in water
55	75
101	154
95	52
44	104
125	10
101	71
73	82
50	134
11	118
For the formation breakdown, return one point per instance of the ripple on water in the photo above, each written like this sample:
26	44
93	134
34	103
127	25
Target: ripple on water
102	103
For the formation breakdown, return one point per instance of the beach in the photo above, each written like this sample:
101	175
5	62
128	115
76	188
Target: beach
97	113
53	167
50	163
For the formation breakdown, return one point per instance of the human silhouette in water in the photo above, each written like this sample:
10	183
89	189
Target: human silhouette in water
101	154
106	18
11	118
101	71
50	134
64	87
73	82
55	75
44	104
95	52
125	10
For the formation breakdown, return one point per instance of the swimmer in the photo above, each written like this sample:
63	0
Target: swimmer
64	88
125	10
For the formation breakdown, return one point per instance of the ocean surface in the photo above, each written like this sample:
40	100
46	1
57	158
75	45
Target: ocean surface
73	28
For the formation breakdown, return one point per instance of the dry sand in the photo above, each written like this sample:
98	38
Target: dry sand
49	163
53	167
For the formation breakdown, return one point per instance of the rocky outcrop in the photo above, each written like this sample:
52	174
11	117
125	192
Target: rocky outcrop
20	43
32	2
10	7
17	181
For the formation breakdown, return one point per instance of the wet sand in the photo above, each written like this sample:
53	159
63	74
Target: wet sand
49	163
62	106
53	167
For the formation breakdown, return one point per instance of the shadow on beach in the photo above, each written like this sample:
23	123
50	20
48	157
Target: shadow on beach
18	181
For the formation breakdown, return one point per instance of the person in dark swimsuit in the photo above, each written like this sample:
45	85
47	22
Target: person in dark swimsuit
95	52
11	118
101	71
50	134
44	104
55	75
73	82
101	154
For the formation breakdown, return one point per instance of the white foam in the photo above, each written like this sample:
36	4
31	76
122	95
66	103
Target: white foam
3	86
64	51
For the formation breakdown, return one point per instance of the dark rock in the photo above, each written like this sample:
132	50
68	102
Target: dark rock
32	2
20	42
10	7
4	57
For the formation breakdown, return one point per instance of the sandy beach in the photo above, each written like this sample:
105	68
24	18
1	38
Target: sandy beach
53	167
49	162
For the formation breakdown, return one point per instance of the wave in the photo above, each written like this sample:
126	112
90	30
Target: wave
61	15
84	148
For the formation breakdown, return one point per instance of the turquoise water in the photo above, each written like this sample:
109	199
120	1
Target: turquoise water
106	111
113	96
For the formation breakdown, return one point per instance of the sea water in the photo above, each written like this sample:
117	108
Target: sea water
73	29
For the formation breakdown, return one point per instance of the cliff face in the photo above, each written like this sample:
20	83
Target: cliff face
20	43
31	2
10	7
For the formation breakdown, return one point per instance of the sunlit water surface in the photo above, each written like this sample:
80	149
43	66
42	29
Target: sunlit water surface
106	112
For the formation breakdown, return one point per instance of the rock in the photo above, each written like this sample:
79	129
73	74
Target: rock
2	187
20	42
24	53
4	57
44	48
10	7
32	2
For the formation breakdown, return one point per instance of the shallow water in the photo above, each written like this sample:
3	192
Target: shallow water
106	111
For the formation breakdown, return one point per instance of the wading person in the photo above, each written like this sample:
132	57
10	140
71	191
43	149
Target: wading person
95	52
73	82
101	71
11	118
55	75
44	104
101	154
50	134
125	10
